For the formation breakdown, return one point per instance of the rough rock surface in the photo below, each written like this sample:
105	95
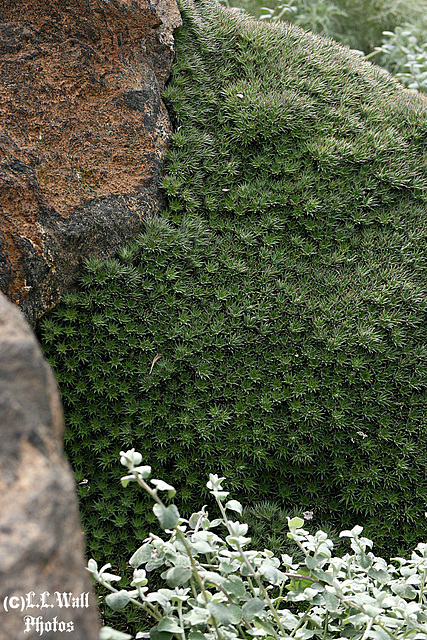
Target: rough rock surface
83	132
41	543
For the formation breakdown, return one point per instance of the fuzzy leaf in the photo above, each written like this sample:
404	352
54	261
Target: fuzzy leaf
380	575
269	572
236	613
126	480
196	615
196	635
312	562
164	486
221	613
295	523
404	590
201	546
110	577
226	567
263	624
234	505
253	607
118	600
169	624
331	601
167	516
177	576
356	531
234	586
141	555
155	634
377	633
143	471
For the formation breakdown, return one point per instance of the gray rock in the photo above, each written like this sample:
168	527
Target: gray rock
41	542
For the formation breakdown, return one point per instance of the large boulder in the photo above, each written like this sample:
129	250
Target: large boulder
41	542
83	135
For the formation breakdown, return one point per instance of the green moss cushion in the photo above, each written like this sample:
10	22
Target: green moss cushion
284	288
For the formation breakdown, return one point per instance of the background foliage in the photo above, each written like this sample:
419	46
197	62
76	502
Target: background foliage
394	31
284	288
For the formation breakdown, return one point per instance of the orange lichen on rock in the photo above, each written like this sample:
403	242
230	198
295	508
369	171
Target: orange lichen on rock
82	122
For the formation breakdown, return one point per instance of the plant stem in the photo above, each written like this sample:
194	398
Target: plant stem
181	622
326	625
301	622
253	573
147	606
367	630
221	588
183	539
420	599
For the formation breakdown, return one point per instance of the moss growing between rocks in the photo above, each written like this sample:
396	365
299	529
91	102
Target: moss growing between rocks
285	290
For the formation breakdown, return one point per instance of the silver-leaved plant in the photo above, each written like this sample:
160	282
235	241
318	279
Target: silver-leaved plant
217	588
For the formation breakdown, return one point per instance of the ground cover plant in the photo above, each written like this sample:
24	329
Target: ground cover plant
272	324
217	588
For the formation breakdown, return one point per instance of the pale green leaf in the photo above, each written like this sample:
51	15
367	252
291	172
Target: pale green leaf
226	567
196	635
164	486
201	546
380	575
404	590
155	634
126	479
197	615
234	586
141	555
263	624
331	601
269	572
253	607
234	505
377	633
167	516
143	471
221	613
295	523
236	613
110	577
177	576
169	624
118	600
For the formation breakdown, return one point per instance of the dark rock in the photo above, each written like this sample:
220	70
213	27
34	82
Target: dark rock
84	136
41	543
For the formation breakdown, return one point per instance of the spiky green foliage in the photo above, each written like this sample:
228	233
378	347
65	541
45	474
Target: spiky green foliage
285	291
